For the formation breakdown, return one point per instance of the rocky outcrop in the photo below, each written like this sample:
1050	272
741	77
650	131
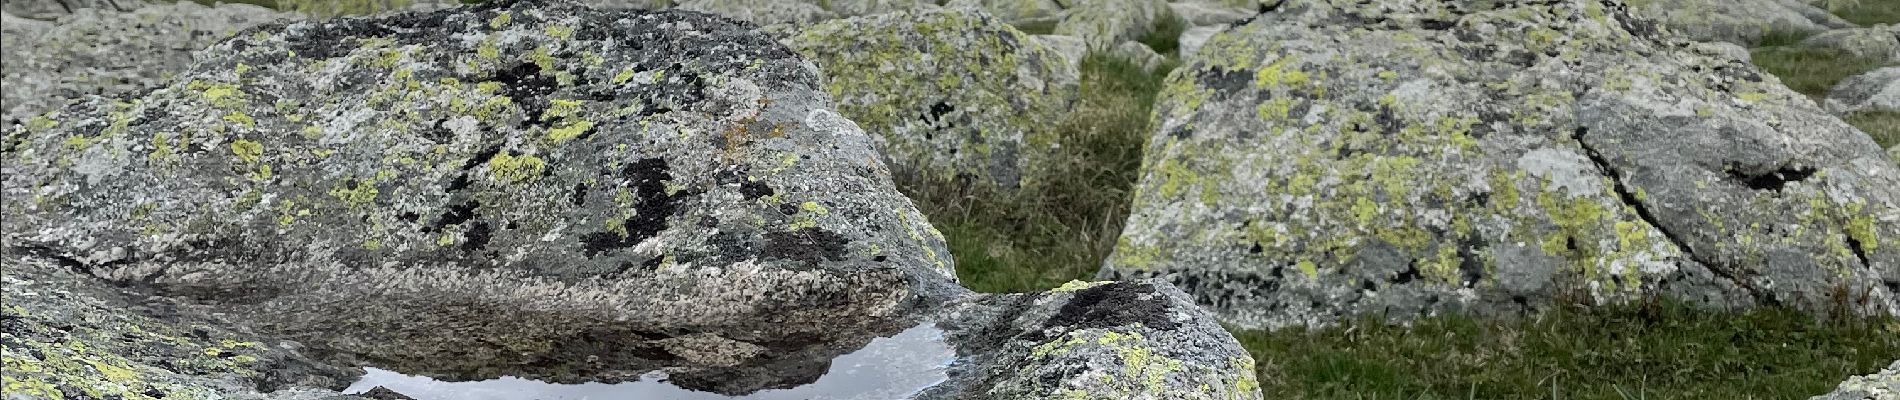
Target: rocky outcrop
1879	43
1331	161
1884	384
1016	12
101	51
1094	340
527	188
1106	23
54	9
1742	22
682	185
949	94
1877	90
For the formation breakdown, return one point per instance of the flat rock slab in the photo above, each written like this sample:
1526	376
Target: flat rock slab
1332	161
1884	384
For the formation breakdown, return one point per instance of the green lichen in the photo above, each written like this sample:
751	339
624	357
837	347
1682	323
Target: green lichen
516	169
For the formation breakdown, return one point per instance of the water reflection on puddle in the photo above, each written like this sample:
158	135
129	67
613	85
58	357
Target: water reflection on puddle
895	367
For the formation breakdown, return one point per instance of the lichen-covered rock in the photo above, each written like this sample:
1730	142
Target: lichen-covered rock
101	51
53	9
1742	22
763	12
1106	23
66	335
1138	340
525	187
1877	90
1140	55
1879	43
1214	12
950	94
1723	50
1017	12
1881	385
1332	160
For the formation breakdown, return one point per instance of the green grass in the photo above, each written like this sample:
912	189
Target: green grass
1810	71
1866	12
1650	352
1165	36
1041	237
1884	126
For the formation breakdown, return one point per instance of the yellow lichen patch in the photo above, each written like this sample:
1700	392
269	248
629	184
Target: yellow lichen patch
500	20
247	150
1075	285
510	168
569	131
560	31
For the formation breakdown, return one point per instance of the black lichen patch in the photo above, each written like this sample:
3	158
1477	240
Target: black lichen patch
754	190
528	86
1774	180
1113	305
476	237
456	215
647	178
808	245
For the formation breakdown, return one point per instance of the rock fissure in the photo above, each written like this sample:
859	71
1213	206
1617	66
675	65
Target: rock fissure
1629	197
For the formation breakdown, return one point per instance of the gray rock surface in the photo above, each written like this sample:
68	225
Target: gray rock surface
1193	38
1880	43
1103	24
97	51
1143	340
1882	385
610	179
1016	12
949	94
1140	54
1877	90
1071	48
53	9
1214	12
525	188
763	12
1742	22
1335	160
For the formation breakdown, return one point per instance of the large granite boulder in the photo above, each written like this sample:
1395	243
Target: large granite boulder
103	51
1884	384
1877	90
420	189
1743	22
1405	159
53	9
1879	43
949	94
524	188
1016	12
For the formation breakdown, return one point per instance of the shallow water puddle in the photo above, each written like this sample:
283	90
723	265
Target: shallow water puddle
894	367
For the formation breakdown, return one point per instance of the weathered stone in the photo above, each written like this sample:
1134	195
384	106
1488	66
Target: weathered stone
1877	90
1194	38
1069	47
1141	340
1103	24
1742	22
949	94
526	187
1016	12
762	12
1329	161
1141	55
68	335
53	9
106	52
1214	12
1879	43
1881	385
1722	50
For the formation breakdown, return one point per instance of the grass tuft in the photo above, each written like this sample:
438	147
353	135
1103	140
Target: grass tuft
1865	12
1041	237
1883	126
1630	352
1810	71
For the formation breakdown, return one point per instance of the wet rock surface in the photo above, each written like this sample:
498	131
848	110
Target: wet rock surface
950	94
526	188
107	52
1333	160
